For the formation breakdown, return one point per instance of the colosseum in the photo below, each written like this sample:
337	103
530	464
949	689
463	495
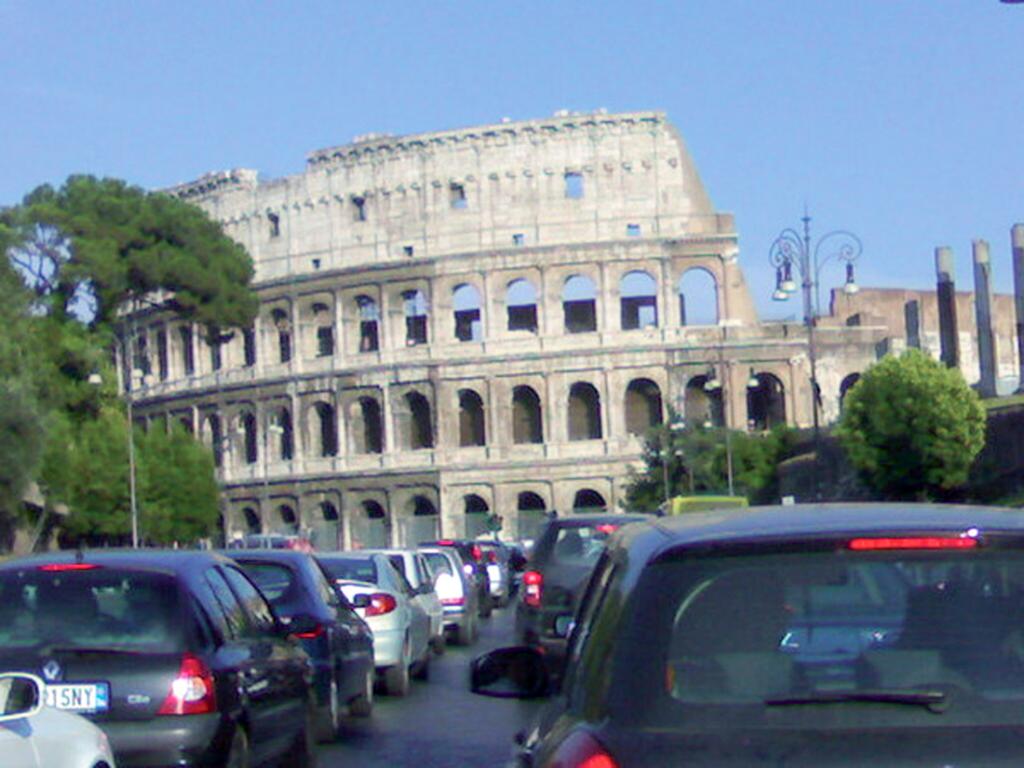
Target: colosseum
476	321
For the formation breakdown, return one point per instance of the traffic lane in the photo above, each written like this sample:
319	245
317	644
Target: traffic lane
440	724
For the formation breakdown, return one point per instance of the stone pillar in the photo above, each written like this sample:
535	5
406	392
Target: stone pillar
1017	238
983	313
946	294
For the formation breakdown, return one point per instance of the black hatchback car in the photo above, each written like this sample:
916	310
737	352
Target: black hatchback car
826	635
177	656
337	640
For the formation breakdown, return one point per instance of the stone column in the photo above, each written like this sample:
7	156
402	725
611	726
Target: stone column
1017	237
983	313
946	294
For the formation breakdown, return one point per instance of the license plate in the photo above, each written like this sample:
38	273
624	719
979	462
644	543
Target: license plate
79	697
494	572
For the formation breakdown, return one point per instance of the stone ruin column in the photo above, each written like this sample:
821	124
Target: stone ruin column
983	313
1017	238
946	293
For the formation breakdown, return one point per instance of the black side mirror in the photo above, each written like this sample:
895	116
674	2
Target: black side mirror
360	601
519	672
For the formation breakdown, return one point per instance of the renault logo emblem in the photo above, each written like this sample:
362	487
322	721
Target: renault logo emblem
51	671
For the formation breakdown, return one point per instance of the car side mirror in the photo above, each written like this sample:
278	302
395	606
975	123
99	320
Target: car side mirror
21	696
519	672
360	601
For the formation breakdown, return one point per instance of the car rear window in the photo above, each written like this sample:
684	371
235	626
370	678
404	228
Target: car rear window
785	633
438	563
96	608
579	544
399	562
353	569
274	580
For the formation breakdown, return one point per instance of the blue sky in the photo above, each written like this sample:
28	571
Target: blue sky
902	120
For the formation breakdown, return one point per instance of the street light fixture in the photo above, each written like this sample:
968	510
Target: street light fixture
793	249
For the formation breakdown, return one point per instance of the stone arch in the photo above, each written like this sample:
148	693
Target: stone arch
281	427
472	427
250	437
414	307
703	407
327	526
531	513
418	427
527	416
366	422
638	301
369	323
476	512
521	303
213	436
584	412
285	519
251	519
766	403
587	501
845	386
643	406
579	304
283	324
468	320
320	320
325	428
371	527
698	297
422	521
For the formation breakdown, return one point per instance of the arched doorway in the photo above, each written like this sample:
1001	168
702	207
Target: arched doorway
476	511
579	304
286	521
638	302
642	406
326	527
370	527
531	514
584	412
422	523
468	323
698	298
766	403
251	519
588	501
845	386
420	426
703	407
527	420
472	431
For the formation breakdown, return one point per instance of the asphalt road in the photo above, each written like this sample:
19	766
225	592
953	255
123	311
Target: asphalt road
440	724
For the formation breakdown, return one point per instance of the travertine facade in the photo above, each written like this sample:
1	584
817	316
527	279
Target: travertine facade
484	320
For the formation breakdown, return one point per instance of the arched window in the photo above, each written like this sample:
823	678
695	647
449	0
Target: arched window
367	426
638	303
329	512
476	510
288	521
703	406
283	434
588	501
420	432
472	430
284	335
328	429
584	412
323	324
531	513
252	520
369	324
424	525
766	403
215	435
845	386
371	528
521	301
643	406
579	304
468	326
698	298
249	438
415	307
527	420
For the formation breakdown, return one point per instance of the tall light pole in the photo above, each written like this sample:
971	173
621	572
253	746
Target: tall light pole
790	251
675	425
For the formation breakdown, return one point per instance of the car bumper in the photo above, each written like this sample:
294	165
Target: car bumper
189	741
387	647
454	616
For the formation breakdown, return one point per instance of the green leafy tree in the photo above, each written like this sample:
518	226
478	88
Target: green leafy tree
912	427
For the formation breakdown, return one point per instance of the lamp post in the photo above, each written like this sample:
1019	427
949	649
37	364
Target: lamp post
791	251
676	424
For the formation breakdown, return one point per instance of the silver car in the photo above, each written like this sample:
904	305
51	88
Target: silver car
383	597
33	735
413	565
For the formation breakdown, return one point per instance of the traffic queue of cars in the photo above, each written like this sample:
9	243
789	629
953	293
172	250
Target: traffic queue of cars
197	658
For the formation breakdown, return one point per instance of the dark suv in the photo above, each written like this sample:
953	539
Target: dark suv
177	656
563	558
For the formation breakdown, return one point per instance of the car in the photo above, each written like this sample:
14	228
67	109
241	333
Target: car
272	541
34	735
457	593
175	655
497	563
384	598
827	635
413	565
563	558
474	567
338	641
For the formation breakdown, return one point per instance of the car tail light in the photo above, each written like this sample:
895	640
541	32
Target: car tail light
534	583
192	691
607	528
477	553
492	557
445	543
57	567
380	603
913	542
453	601
581	750
319	631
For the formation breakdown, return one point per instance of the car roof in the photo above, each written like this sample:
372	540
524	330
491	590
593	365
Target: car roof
291	556
817	521
174	561
348	554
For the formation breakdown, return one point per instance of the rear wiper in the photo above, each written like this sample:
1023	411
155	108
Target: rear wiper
933	701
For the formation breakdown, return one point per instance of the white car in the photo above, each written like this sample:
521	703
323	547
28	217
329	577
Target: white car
413	566
383	598
32	735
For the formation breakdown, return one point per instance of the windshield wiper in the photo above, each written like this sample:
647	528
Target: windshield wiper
933	701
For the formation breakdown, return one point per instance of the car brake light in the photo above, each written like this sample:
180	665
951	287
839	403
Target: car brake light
192	691
477	553
607	528
453	601
57	567
492	557
380	603
319	631
534	583
445	543
581	750
914	542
